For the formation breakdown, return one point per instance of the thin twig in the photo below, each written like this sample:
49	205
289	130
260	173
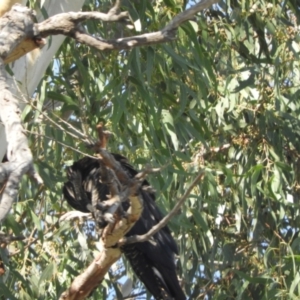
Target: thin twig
7	238
188	14
149	170
61	143
32	240
82	135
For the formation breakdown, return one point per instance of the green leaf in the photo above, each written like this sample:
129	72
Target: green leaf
168	122
254	280
48	273
5	292
62	98
256	173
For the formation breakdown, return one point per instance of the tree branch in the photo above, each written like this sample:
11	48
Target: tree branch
22	35
18	32
68	24
145	237
86	282
172	213
188	14
6	239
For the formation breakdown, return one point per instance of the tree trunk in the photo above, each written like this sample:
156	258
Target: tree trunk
29	69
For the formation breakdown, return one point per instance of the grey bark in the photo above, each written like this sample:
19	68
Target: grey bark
16	27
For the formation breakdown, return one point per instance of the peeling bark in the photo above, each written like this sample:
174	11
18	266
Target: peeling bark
15	28
86	282
18	152
17	33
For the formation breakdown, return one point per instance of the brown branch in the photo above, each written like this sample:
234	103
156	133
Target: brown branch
86	282
165	220
77	133
3	176
103	136
68	23
6	239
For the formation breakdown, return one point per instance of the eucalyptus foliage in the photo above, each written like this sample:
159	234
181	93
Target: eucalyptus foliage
223	97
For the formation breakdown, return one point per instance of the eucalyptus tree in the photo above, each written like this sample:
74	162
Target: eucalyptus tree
221	98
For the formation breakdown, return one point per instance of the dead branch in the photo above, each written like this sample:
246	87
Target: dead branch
74	214
103	136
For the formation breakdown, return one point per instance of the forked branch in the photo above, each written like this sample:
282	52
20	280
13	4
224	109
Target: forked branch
87	281
68	24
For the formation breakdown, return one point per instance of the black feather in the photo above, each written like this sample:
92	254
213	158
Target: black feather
152	261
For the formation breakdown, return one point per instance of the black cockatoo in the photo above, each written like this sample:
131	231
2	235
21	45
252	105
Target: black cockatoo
152	261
